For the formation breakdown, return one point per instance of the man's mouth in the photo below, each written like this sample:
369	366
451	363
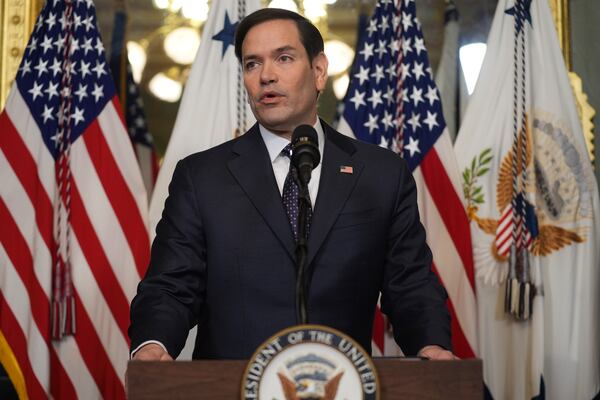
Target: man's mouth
270	98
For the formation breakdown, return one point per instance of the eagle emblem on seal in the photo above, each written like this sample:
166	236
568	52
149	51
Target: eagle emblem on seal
310	377
555	187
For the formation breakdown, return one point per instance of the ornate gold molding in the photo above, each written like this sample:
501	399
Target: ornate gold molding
586	112
560	12
17	18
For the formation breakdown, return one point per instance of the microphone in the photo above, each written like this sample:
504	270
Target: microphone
305	151
305	157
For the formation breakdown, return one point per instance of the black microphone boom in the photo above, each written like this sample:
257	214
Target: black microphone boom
305	151
305	157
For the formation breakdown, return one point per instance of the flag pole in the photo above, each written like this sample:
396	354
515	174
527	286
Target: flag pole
119	50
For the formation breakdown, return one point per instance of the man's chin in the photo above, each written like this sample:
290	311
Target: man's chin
275	123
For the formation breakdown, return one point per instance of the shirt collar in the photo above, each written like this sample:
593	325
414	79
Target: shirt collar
276	143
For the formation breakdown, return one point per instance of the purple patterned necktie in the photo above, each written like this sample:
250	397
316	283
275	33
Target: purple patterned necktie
290	196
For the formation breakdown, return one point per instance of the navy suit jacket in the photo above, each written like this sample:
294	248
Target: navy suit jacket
223	256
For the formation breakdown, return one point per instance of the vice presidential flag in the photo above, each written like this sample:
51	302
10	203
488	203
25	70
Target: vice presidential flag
393	102
533	203
73	237
214	106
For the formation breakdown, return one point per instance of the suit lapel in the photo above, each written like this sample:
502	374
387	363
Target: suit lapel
253	171
334	187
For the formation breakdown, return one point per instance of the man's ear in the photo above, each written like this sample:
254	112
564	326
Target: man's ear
319	64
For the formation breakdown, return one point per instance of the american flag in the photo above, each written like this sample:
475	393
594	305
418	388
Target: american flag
73	211
143	144
393	101
133	107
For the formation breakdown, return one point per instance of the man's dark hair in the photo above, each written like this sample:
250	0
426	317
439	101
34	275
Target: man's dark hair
309	34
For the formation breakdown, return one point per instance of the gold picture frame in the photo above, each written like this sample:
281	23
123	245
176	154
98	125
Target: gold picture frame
17	18
560	12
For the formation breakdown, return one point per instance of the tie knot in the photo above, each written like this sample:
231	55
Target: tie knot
287	151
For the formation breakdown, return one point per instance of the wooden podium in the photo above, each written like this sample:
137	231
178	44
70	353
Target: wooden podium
399	378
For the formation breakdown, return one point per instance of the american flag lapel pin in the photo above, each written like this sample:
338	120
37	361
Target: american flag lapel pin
346	169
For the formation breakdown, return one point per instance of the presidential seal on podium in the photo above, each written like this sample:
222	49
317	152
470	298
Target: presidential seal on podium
310	362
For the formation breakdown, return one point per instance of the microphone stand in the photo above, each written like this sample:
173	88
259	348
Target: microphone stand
302	249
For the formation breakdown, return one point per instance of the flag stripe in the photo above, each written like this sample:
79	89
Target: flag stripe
461	346
18	301
452	213
18	344
379	330
447	156
98	311
118	192
23	165
122	149
452	274
95	357
61	386
20	207
18	252
99	264
37	346
106	224
29	135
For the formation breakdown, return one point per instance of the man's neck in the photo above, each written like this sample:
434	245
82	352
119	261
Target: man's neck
286	132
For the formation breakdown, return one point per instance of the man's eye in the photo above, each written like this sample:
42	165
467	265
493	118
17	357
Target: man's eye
285	58
249	65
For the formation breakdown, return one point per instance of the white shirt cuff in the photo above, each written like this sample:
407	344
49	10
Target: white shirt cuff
145	343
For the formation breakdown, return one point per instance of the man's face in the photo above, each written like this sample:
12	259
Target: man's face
282	86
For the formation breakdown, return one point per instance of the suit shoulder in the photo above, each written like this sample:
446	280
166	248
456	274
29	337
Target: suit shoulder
219	153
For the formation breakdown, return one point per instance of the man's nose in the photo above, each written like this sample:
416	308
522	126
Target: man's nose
268	73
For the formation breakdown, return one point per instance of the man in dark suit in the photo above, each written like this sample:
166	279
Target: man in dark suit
223	257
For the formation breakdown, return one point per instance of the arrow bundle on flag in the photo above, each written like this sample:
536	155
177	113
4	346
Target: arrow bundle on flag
392	101
74	240
533	204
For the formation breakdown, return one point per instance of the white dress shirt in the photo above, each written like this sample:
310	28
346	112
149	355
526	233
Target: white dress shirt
281	163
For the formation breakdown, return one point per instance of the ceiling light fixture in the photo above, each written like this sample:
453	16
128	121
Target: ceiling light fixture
340	56
181	45
340	86
165	88
285	4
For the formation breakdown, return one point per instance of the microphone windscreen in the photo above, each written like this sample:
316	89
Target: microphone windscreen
305	133
305	150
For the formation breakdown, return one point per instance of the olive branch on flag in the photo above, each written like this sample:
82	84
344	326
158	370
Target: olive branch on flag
479	167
